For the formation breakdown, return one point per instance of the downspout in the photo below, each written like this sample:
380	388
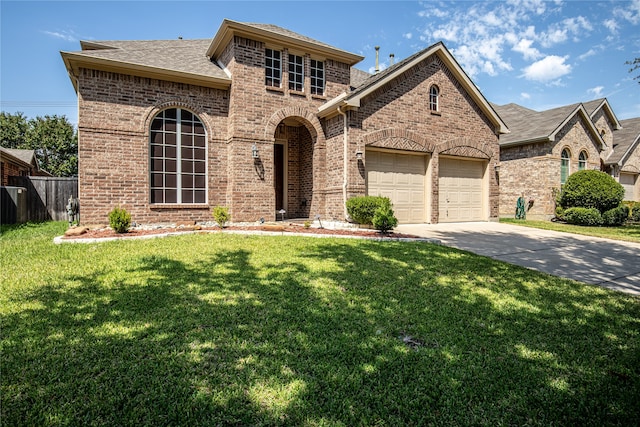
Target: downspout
345	172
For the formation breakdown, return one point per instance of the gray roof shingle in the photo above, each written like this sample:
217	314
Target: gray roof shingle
624	139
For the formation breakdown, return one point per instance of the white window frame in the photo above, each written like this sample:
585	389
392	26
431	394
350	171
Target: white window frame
434	98
296	72
272	67
582	160
317	74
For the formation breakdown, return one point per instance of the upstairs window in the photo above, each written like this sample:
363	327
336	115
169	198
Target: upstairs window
565	157
317	77
296	73
582	161
178	158
434	93
273	67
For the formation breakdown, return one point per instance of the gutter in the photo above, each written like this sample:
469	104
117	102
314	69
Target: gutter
345	160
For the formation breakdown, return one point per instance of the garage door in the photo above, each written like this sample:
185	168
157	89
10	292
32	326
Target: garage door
628	181
400	177
461	196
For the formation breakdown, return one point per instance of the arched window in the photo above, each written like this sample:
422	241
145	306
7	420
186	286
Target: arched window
582	161
178	158
434	94
565	157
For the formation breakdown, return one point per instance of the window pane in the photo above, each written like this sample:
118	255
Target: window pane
157	165
170	138
198	128
170	151
171	196
200	181
157	196
170	166
157	180
199	196
199	167
187	181
187	196
199	153
187	127
156	124
171	180
198	141
187	166
169	126
156	138
186	115
156	151
187	140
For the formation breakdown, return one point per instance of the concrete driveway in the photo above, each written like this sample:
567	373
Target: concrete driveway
610	263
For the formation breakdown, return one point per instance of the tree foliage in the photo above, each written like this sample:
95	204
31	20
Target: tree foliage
53	139
635	64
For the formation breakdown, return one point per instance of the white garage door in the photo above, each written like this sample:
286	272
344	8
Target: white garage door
400	177
461	196
628	181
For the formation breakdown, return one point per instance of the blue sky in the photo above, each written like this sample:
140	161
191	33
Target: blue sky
539	54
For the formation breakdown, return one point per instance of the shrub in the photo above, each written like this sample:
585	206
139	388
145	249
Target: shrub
560	213
119	220
307	224
616	216
583	216
221	215
591	189
634	210
384	218
362	208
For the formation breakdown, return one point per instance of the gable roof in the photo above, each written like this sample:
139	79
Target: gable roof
26	158
596	105
529	126
277	35
627	140
183	61
352	99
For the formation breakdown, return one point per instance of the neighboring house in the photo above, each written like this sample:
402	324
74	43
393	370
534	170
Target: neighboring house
15	162
624	162
260	119
544	147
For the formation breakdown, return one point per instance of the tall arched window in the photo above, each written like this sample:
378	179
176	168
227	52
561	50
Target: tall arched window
434	93
178	158
582	161
565	157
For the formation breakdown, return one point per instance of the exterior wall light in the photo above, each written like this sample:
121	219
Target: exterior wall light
359	154
254	152
496	168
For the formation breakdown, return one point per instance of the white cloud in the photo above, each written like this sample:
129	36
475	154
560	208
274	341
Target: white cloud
69	36
611	25
524	47
525	95
630	13
408	36
587	54
596	91
548	69
432	12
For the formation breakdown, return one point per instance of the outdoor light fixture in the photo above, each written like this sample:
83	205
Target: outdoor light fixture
254	152
496	168
359	154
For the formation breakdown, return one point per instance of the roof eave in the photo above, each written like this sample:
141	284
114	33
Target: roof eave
229	28
75	61
582	111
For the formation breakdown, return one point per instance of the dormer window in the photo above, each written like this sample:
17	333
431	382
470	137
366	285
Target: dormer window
434	94
273	67
317	77
296	73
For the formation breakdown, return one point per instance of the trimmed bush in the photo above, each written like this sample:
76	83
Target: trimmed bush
221	215
119	220
616	216
560	213
634	210
583	216
362	208
591	189
384	219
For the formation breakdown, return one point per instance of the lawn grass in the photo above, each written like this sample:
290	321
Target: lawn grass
629	232
220	329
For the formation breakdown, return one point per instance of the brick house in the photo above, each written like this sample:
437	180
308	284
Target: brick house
16	162
544	148
624	162
260	119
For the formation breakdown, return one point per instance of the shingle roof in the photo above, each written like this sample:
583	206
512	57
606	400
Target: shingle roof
358	77
287	33
25	156
528	125
181	56
625	139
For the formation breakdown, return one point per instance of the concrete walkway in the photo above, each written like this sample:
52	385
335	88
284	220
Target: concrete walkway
610	263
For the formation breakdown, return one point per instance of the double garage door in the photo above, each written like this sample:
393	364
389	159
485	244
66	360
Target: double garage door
402	178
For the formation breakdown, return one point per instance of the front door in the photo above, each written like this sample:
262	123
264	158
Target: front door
278	178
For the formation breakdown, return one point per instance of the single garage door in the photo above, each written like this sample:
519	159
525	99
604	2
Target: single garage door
401	178
461	196
628	181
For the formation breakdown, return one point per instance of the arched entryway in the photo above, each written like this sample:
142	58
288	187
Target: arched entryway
293	168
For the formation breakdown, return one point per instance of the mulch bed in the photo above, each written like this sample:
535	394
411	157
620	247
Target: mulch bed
288	228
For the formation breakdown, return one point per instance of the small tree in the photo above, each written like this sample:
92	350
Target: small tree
119	220
221	215
384	219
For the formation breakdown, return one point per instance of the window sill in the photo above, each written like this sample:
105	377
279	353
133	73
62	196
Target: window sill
297	93
436	113
323	97
275	89
179	206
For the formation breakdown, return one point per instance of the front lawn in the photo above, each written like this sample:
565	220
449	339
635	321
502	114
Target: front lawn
629	232
219	329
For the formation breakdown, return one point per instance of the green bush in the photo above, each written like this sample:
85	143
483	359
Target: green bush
384	219
616	216
634	210
583	216
362	208
221	215
119	220
560	213
591	189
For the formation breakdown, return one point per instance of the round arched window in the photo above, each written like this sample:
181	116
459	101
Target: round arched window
565	159
434	94
582	161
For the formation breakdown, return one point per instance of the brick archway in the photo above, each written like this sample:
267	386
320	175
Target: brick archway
306	117
398	139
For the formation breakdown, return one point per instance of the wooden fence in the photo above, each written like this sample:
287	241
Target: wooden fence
47	197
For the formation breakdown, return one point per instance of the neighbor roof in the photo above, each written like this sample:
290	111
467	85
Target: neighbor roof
627	139
25	157
529	126
176	60
277	35
352	99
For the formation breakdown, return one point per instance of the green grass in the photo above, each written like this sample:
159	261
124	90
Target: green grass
221	329
629	232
